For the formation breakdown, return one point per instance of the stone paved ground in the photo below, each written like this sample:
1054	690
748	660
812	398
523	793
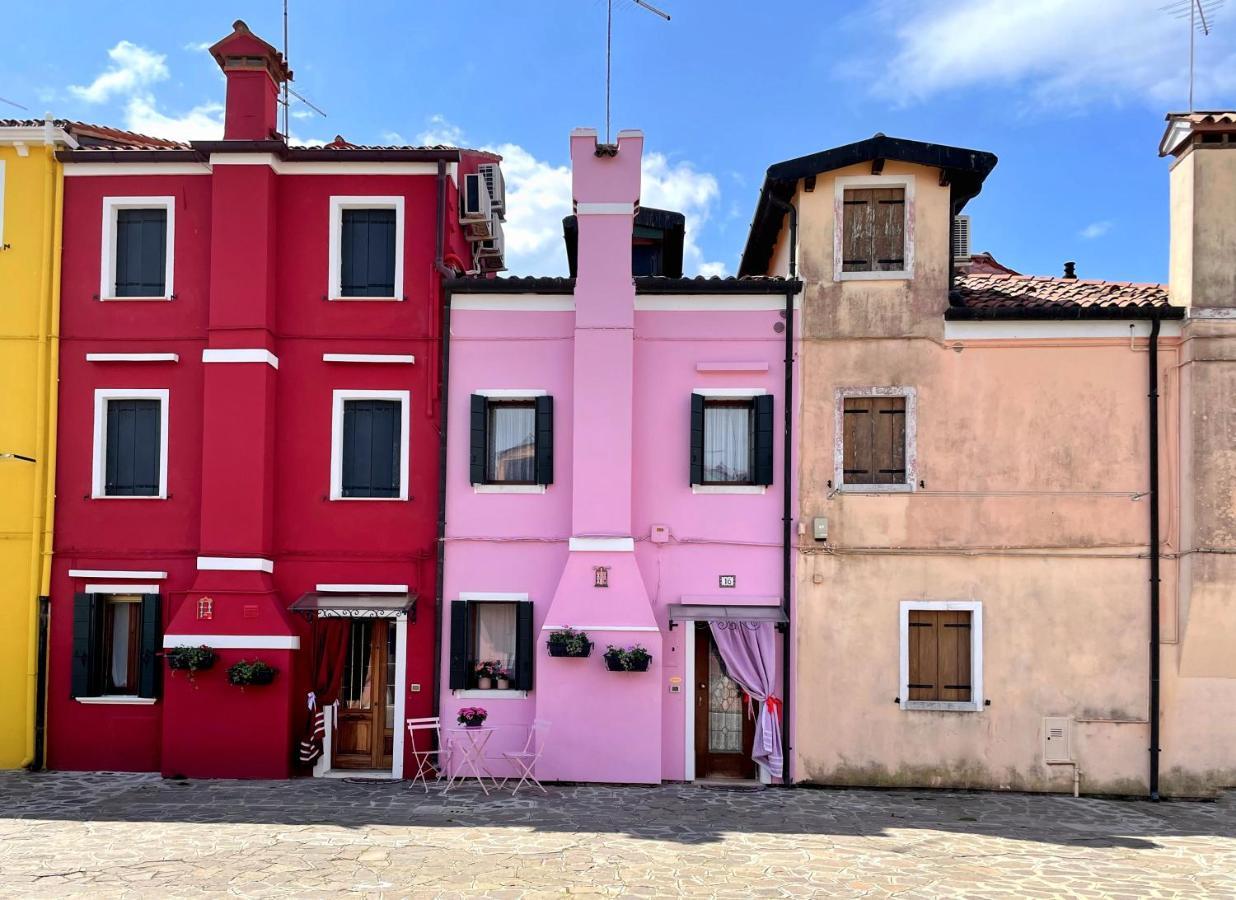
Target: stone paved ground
137	835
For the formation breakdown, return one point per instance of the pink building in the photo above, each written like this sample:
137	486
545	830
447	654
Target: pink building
616	465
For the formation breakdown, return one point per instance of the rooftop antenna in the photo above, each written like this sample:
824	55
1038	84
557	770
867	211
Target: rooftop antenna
1201	14
14	103
287	88
609	43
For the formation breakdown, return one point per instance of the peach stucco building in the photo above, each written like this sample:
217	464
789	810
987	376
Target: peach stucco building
975	555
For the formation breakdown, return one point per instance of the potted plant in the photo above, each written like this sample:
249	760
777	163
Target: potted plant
190	659
629	659
472	716
569	642
244	673
486	671
503	679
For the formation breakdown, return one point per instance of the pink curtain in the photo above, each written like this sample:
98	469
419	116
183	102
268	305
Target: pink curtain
749	651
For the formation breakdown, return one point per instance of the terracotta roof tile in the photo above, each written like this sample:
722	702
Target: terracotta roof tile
1044	295
100	136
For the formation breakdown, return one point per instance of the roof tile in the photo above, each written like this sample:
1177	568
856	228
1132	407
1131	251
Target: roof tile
1041	293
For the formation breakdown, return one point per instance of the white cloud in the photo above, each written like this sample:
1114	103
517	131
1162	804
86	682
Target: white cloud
198	46
1095	230
132	68
440	131
1064	52
201	123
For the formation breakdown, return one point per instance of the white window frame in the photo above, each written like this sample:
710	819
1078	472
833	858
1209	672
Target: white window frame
338	204
859	182
975	608
735	393
107	261
911	483
339	398
493	694
98	474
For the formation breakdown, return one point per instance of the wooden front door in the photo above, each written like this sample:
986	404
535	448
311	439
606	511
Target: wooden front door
723	730
364	733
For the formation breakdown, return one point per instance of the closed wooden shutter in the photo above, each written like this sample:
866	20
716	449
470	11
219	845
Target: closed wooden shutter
697	439
371	448
87	620
525	646
874	440
939	655
480	438
367	266
141	252
763	439
873	230
150	672
544	440
132	458
461	653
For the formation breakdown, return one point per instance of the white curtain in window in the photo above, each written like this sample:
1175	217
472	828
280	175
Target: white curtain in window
121	622
727	444
495	633
512	443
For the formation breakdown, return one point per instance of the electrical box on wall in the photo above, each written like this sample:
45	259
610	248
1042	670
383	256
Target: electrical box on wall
1056	740
660	534
819	528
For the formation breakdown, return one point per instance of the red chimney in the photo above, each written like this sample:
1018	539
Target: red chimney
255	72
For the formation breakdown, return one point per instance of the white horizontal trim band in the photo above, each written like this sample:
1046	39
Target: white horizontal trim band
240	356
122	168
114	573
235	564
510	393
362	588
492	595
602	544
513	302
233	641
122	589
116	700
605	209
601	627
729	393
132	357
406	359
508	488
643	302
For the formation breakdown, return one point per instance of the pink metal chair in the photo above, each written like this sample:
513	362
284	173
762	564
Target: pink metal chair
433	756
525	760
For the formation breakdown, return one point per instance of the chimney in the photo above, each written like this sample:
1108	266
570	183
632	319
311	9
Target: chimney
255	74
1202	267
1070	269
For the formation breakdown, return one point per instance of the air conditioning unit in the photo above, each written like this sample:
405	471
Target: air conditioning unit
494	246
961	238
474	205
492	174
490	264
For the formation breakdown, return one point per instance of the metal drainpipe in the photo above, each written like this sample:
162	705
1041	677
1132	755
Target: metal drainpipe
1153	412
787	487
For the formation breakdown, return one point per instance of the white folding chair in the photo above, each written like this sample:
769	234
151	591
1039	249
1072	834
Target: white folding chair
433	756
525	760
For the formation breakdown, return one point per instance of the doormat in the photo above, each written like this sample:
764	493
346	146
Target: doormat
736	786
363	780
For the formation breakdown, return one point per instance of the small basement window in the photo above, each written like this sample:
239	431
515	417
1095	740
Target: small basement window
941	655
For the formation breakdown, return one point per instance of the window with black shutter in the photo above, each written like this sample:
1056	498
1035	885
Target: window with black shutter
367	248
873	230
874	440
141	253
939	654
512	440
491	645
116	643
132	455
731	441
371	460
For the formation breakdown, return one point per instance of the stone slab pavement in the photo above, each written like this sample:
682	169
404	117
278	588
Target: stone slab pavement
112	835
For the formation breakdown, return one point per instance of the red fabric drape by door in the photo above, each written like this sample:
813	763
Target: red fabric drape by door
330	649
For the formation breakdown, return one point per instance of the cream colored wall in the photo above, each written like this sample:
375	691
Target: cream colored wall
1180	252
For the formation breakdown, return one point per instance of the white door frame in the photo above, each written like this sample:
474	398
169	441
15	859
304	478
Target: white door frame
321	768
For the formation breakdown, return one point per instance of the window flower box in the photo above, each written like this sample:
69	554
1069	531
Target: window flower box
628	659
250	674
568	642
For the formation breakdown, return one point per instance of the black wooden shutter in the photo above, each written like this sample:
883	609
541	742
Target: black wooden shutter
150	673
371	448
141	249
480	438
544	440
367	245
460	651
525	646
697	439
131	461
86	623
763	439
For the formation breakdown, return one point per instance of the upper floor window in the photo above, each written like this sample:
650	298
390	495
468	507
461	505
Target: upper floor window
116	639
369	459
731	440
875	240
877	428
130	443
512	446
366	248
138	243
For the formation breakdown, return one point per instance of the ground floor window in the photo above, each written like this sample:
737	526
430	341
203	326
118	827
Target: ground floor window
942	655
116	642
491	644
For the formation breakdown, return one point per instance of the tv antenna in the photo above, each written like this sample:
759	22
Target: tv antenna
288	93
14	103
609	44
1201	16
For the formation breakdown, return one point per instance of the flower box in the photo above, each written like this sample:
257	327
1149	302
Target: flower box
628	659
570	643
190	659
247	674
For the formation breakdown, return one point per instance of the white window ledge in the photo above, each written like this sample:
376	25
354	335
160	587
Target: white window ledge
117	700
508	488
728	489
477	694
876	489
941	706
875	276
357	299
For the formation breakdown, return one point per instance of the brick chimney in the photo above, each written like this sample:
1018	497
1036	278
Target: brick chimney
255	74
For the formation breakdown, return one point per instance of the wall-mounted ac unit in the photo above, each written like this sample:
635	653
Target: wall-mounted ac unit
474	205
490	264
492	174
961	238
494	246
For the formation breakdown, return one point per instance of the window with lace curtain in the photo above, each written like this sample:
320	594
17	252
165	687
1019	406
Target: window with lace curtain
731	441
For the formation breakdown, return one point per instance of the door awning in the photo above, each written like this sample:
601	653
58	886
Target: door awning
356	606
705	612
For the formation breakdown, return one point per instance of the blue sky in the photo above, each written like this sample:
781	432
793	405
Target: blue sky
1070	94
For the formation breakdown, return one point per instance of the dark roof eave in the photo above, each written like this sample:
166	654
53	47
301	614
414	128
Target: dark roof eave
1061	313
644	284
142	156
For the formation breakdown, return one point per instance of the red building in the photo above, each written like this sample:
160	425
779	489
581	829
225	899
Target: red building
249	440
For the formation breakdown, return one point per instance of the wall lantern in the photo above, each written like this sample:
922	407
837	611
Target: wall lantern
205	608
600	576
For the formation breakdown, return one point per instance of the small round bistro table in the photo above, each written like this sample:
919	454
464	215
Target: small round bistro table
471	745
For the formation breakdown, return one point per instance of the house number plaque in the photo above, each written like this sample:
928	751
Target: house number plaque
728	581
